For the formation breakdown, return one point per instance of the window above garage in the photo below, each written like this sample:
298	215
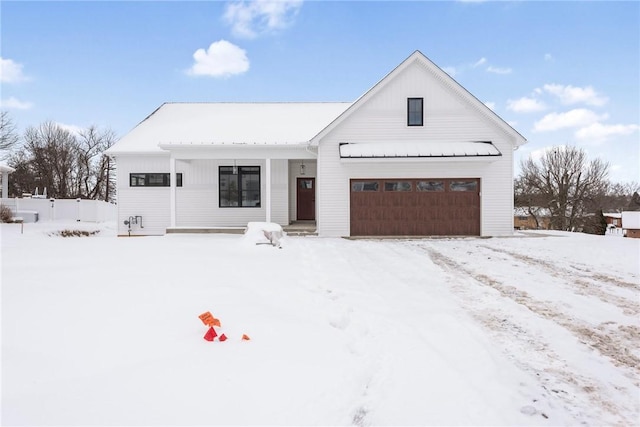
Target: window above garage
415	115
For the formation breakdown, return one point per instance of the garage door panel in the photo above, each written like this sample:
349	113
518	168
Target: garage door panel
420	207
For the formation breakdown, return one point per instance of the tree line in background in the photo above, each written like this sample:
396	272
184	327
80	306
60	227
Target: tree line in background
570	191
66	164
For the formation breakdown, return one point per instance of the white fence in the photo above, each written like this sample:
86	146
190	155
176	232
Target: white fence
62	209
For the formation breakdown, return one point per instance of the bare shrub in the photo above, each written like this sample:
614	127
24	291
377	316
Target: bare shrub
5	214
74	233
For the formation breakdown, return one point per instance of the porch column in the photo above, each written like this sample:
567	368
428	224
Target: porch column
5	184
172	190
267	171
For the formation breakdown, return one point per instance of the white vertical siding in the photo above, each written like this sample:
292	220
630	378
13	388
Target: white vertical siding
279	191
152	204
383	118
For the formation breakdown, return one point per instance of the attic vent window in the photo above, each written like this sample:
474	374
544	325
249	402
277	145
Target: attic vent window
414	112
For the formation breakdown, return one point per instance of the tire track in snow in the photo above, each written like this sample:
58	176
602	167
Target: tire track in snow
587	282
554	374
599	339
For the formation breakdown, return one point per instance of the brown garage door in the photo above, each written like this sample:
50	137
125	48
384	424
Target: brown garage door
415	207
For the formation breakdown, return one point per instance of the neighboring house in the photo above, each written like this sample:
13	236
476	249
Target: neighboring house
631	223
534	218
417	154
613	219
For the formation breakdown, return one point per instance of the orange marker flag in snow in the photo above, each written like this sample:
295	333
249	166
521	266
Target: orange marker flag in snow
222	337
245	337
210	335
208	319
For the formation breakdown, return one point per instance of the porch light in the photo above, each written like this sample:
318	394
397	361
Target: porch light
303	168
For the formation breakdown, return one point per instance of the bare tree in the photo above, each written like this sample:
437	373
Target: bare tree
67	165
96	168
566	183
8	135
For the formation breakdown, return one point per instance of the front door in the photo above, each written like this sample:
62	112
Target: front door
306	196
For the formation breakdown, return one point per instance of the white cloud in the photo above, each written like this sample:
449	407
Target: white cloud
541	152
573	95
12	103
73	129
525	105
497	70
250	19
491	105
598	132
11	72
222	59
571	119
548	57
480	62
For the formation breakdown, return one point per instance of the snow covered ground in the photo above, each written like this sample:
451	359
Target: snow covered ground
537	329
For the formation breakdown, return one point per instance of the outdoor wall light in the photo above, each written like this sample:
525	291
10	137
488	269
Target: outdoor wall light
303	168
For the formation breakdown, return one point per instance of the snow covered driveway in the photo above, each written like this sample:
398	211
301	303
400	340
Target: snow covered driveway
514	331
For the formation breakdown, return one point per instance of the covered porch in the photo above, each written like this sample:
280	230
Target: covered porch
221	188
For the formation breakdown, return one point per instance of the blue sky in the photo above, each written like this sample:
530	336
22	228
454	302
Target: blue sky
559	72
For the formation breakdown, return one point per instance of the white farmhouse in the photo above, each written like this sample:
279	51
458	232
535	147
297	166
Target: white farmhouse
417	155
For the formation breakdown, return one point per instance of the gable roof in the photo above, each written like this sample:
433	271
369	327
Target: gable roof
226	123
438	72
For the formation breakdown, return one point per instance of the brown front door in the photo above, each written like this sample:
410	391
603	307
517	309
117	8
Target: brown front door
306	196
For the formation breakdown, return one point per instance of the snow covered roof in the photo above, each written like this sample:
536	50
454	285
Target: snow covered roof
417	149
205	124
6	168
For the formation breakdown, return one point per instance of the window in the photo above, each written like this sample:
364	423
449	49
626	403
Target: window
397	186
430	185
414	112
153	180
358	186
463	186
306	184
240	189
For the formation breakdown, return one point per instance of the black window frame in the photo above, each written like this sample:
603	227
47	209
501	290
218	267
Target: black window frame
153	179
412	113
241	172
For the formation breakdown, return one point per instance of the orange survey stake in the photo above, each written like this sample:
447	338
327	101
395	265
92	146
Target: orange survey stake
208	319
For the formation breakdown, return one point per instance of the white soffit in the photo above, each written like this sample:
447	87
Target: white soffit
394	150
